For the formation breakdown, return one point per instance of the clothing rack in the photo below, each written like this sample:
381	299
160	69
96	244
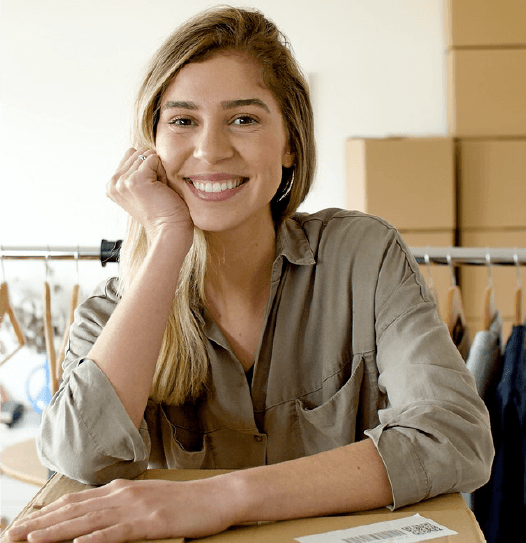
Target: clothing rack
470	256
108	251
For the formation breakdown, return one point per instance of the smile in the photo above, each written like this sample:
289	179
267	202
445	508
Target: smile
216	186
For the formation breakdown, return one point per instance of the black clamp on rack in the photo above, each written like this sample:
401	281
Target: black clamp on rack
110	251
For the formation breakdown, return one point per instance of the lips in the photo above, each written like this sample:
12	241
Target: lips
215	182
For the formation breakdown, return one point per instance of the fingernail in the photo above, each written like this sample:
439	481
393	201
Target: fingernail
17	531
37	535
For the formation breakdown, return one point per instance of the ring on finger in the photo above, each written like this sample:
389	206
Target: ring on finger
143	157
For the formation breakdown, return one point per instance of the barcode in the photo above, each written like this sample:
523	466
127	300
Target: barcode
378	536
422	529
405	529
417	529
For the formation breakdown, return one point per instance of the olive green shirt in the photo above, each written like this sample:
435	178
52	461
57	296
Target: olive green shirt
351	347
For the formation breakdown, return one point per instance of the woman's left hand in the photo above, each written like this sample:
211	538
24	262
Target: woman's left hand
130	510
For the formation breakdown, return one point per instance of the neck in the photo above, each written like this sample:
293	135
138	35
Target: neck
240	261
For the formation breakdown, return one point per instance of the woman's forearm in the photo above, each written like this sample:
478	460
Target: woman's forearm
128	346
347	479
350	478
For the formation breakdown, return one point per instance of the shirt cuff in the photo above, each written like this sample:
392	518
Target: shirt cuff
87	434
105	419
407	476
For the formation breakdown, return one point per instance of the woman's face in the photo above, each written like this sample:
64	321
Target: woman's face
222	141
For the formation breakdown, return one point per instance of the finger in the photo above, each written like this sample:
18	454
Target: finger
74	511
156	164
119	533
92	521
148	162
130	152
131	161
65	507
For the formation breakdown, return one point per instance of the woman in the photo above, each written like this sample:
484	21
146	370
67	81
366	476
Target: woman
306	348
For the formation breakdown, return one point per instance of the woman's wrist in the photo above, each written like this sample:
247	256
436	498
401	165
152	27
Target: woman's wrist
171	235
233	497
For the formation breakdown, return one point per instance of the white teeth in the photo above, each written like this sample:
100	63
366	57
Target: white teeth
217	187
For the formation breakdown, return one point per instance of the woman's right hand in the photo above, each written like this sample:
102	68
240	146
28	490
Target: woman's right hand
141	188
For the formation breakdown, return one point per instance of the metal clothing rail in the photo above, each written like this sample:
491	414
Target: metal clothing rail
456	256
108	251
470	256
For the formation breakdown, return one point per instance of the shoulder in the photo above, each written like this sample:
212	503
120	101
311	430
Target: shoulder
364	244
101	302
348	231
342	222
106	290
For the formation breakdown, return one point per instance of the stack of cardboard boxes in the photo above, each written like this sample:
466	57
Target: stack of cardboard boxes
486	61
469	188
410	182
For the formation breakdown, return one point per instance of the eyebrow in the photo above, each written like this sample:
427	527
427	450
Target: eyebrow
229	104
180	105
232	104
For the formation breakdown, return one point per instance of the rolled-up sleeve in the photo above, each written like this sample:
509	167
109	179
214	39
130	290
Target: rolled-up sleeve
434	434
86	432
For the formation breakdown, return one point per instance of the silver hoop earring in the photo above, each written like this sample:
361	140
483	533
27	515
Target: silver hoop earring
288	187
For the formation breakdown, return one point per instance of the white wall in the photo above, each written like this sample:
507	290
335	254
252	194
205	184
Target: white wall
70	68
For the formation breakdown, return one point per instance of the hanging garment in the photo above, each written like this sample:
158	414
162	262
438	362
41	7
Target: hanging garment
485	356
484	361
500	505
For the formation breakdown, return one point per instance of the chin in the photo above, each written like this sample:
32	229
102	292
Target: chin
213	224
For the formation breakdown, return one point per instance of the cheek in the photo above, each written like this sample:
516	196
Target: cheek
162	144
170	152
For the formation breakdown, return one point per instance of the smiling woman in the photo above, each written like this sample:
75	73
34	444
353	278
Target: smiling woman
305	349
232	131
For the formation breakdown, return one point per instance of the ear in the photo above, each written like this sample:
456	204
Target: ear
288	159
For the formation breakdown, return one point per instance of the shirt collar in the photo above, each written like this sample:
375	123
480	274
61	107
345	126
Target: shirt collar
292	243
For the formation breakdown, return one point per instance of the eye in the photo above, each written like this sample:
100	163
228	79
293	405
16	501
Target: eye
245	120
180	121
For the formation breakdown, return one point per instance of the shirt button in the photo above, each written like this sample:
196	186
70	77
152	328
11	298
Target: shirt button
258	439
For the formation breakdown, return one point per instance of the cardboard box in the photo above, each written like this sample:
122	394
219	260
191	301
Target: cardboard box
438	277
486	92
449	510
474	279
492	183
482	23
410	182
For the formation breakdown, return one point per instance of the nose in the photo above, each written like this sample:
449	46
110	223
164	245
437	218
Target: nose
212	144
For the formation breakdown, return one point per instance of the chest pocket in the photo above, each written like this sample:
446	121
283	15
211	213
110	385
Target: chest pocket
333	423
183	449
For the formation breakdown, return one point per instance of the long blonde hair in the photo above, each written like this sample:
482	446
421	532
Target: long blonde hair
182	366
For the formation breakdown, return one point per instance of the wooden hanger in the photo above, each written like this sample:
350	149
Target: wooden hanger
430	282
72	306
49	335
455	315
50	339
455	309
3	394
490	307
62	353
519	317
6	309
